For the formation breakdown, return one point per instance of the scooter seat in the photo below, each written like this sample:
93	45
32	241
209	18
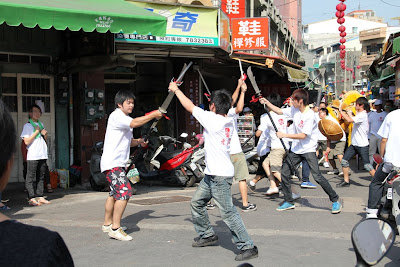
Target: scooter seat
164	156
166	140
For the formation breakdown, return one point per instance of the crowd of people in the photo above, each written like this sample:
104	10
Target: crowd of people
288	137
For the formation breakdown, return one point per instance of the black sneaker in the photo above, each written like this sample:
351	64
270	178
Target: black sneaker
251	187
249	207
204	242
343	184
210	206
247	254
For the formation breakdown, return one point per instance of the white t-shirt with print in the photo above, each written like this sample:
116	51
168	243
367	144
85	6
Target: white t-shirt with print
303	123
280	123
264	142
235	142
359	133
38	148
117	142
329	117
217	138
390	129
375	121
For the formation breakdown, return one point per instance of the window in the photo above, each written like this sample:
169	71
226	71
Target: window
355	30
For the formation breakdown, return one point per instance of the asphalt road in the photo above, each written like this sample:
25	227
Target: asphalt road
163	232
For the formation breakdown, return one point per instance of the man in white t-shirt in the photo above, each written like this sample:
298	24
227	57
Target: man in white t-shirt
389	150
263	150
359	139
35	136
273	163
117	143
219	171
303	147
237	156
375	120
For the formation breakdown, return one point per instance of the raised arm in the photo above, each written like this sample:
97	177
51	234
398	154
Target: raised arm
270	106
140	121
186	102
240	103
237	91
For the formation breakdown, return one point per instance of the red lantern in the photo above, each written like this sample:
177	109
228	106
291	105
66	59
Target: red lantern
334	82
342	61
342	80
343	34
342	56
342	47
354	77
358	67
342	28
342	0
342	40
348	79
341	20
339	14
341	7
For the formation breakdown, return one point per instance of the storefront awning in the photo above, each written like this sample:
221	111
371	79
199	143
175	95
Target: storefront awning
89	15
295	75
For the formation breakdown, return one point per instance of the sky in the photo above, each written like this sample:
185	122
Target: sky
318	10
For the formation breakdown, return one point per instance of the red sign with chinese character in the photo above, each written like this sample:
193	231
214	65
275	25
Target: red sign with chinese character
250	33
234	8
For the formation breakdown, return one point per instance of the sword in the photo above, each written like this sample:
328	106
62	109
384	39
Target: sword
205	85
243	75
167	101
259	95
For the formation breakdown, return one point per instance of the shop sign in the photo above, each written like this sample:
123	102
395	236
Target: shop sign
250	33
234	8
224	33
185	26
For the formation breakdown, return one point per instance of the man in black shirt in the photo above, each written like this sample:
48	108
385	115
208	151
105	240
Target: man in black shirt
24	245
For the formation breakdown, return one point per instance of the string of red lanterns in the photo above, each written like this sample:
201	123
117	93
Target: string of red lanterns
341	7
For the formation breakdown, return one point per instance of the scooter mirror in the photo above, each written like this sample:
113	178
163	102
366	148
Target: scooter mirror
377	158
372	239
184	135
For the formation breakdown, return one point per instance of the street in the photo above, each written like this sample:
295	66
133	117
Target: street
159	220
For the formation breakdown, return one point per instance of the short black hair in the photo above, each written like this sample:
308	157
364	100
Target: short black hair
362	101
325	110
222	100
7	137
123	95
300	94
34	106
275	99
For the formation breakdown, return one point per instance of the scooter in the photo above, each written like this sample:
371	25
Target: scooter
389	208
372	239
252	158
167	167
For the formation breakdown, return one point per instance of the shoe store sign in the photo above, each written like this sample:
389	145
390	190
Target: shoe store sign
250	33
185	26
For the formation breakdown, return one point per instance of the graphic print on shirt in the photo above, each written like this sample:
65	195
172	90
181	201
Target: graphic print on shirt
226	141
301	124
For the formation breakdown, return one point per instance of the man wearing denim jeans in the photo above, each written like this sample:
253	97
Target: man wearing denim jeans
359	139
304	147
389	131
219	171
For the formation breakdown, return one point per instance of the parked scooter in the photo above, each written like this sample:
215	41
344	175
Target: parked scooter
390	201
250	153
98	180
166	166
372	239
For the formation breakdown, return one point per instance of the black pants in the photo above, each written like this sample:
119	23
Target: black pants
34	166
376	188
312	161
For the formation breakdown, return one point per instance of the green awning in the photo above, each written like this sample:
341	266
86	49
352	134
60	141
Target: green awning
295	75
396	46
89	15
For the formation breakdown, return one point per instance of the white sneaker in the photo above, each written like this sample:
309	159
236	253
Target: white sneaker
107	228
119	234
371	213
342	175
272	191
326	164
